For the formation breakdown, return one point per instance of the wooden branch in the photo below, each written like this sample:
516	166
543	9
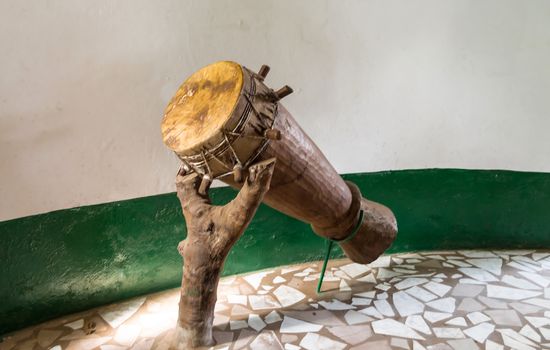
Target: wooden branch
211	232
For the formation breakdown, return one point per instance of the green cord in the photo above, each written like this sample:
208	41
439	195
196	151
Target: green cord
327	256
329	248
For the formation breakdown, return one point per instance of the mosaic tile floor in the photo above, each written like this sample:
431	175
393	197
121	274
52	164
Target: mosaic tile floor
435	300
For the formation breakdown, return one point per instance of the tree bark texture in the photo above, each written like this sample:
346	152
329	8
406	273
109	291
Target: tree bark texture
211	233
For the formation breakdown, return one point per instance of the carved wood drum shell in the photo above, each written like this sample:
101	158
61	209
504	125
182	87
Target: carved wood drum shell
224	118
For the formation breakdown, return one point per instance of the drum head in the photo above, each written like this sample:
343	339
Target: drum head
201	107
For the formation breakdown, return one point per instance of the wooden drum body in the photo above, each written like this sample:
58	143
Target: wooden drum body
224	118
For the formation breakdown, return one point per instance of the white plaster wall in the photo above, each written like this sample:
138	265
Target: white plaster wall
378	85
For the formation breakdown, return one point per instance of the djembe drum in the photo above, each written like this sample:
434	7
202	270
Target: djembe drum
224	118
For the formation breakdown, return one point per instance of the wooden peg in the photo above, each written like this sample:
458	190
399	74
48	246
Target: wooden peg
252	174
205	185
238	173
262	73
283	92
272	134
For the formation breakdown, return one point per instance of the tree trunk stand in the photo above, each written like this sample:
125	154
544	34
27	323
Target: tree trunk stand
211	232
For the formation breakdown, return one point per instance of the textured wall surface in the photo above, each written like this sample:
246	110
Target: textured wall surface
378	85
70	260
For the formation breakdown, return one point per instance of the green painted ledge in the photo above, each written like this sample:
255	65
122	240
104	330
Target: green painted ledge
71	260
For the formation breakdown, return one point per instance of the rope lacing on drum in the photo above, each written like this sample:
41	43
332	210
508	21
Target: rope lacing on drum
206	164
216	158
235	156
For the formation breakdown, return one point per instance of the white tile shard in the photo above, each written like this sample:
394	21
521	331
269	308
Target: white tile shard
515	340
116	314
504	317
467	290
536	278
477	254
437	288
314	341
491	345
292	347
445	305
255	279
434	317
421	294
263	302
371	311
407	305
336	304
237	324
353	317
369	294
272	317
545	332
293	325
492	303
470	305
75	324
255	322
288	296
529	332
383	261
392	327
478	274
344	287
519	283
355	270
341	274
417	323
384	274
384	307
538	321
545	303
493	265
457	321
266	340
459	263
538	256
368	278
480	332
383	286
410	282
448	332
360	301
462	344
471	281
352	335
521	267
477	317
500	292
